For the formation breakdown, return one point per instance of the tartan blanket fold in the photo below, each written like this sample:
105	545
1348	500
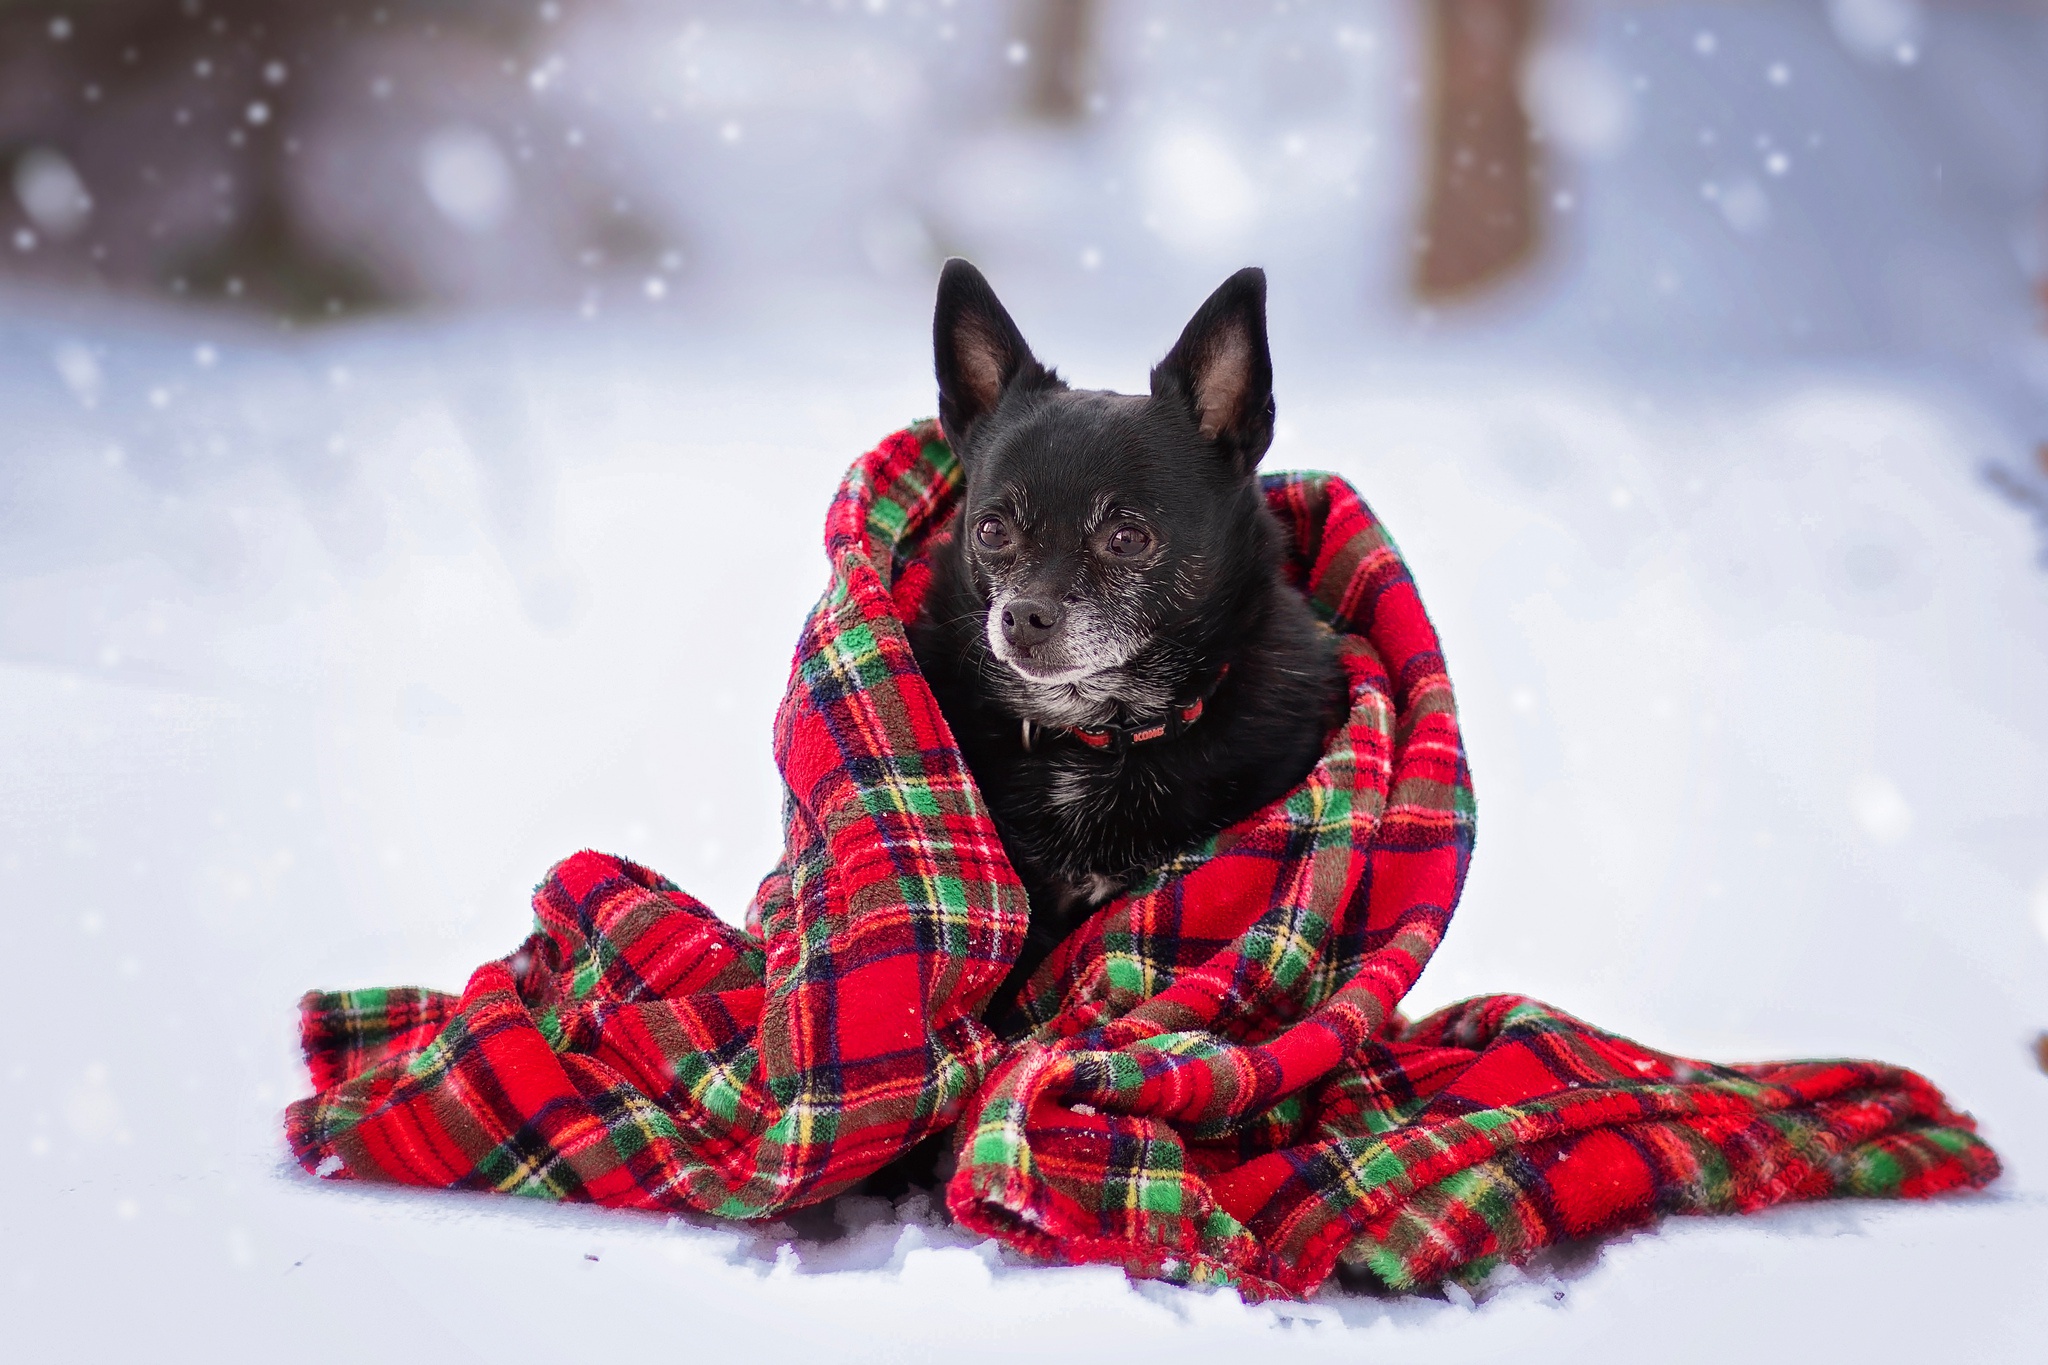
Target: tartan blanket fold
1217	1086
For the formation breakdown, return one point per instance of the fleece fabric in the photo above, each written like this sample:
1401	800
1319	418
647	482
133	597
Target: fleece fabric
1217	1086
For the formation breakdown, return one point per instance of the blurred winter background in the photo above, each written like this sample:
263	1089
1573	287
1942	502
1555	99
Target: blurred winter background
415	420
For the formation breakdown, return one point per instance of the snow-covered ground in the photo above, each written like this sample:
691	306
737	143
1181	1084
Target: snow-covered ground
314	654
317	649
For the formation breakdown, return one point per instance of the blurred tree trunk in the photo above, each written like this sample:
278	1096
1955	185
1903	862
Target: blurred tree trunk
1481	220
150	98
1061	38
161	105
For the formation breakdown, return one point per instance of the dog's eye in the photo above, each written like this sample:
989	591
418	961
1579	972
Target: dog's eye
1127	542
992	534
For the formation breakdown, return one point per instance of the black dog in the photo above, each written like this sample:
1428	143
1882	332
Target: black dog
1108	631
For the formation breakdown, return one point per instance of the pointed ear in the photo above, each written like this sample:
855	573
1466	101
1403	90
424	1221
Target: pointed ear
977	350
1222	370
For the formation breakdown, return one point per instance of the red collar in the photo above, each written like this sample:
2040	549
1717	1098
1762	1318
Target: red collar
1120	737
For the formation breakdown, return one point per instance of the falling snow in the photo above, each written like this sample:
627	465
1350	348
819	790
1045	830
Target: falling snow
318	643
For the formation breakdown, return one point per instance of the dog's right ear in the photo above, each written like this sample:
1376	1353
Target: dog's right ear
1221	371
977	350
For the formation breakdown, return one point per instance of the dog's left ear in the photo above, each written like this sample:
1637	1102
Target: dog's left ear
978	352
1221	369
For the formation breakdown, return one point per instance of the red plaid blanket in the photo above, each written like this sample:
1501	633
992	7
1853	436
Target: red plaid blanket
1218	1089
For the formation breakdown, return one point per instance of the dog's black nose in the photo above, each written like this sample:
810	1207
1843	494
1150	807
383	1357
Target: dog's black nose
1027	621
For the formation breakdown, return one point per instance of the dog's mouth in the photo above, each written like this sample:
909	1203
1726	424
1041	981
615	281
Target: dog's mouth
1081	649
1053	663
1047	673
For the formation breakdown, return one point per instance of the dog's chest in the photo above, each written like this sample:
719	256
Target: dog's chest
1090	813
1081	791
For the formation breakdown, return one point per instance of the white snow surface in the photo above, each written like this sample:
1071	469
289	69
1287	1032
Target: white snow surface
315	653
317	650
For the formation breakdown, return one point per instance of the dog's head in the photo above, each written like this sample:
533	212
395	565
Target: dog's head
1107	533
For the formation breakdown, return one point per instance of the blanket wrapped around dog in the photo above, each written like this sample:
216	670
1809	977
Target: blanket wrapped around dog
1217	1088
